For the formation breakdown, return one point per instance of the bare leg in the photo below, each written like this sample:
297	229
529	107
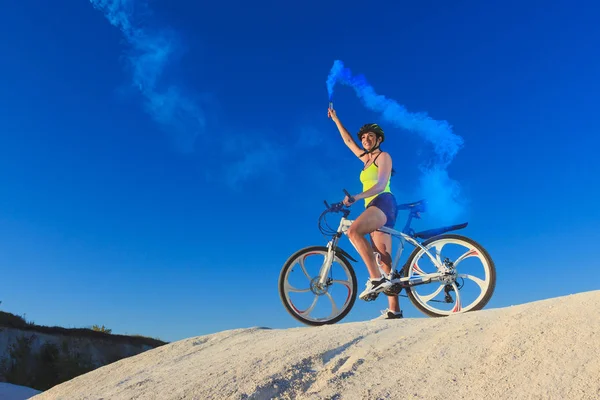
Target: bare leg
382	243
370	220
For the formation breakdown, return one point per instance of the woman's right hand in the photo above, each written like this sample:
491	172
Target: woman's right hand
331	114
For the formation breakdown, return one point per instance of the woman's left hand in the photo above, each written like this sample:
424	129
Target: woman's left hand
347	201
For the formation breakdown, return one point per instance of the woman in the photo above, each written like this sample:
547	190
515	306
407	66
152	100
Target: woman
380	209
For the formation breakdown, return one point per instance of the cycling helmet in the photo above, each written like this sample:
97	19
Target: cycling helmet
376	129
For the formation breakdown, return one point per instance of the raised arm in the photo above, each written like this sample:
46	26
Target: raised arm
348	140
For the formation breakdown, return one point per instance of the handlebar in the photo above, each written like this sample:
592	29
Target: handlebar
340	206
335	207
349	196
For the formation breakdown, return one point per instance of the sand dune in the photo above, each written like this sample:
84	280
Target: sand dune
547	349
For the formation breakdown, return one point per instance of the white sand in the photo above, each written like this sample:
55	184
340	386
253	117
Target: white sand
9	391
543	350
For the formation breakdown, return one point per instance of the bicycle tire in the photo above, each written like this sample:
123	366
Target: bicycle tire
483	252
291	309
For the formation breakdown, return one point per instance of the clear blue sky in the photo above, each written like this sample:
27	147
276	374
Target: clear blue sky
159	192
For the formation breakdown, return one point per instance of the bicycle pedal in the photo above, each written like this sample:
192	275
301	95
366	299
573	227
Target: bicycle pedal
393	290
371	297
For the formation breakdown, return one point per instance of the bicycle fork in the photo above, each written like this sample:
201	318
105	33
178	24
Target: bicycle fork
326	266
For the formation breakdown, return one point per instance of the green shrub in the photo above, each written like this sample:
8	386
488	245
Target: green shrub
98	328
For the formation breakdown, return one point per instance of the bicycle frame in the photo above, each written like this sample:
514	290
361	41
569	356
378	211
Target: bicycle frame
403	236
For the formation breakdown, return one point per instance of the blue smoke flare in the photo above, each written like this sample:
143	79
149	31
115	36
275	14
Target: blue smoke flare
441	192
150	53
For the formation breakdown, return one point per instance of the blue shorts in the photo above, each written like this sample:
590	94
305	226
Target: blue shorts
386	202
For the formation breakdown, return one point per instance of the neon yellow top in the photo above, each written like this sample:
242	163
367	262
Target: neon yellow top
368	177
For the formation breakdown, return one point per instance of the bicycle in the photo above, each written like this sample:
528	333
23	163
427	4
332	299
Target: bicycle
428	246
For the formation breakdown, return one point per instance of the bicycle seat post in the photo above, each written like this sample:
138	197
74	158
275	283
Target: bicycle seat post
407	229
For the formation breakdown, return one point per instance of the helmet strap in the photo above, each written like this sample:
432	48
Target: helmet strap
369	151
372	150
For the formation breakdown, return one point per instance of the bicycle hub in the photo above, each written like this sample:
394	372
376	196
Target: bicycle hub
316	287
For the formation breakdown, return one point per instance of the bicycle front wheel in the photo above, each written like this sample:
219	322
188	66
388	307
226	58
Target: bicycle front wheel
305	299
468	287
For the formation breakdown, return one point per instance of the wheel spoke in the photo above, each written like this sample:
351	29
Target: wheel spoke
347	284
334	309
301	262
457	305
438	250
290	288
417	269
480	282
309	309
431	296
469	253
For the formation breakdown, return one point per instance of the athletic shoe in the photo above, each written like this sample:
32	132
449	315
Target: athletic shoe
374	287
389	314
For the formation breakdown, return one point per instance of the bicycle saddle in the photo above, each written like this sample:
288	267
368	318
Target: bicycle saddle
417	206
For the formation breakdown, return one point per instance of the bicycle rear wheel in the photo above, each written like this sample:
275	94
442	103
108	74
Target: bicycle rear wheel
324	305
472	265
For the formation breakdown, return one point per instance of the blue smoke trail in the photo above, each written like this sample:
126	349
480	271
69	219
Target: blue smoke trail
441	192
150	53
